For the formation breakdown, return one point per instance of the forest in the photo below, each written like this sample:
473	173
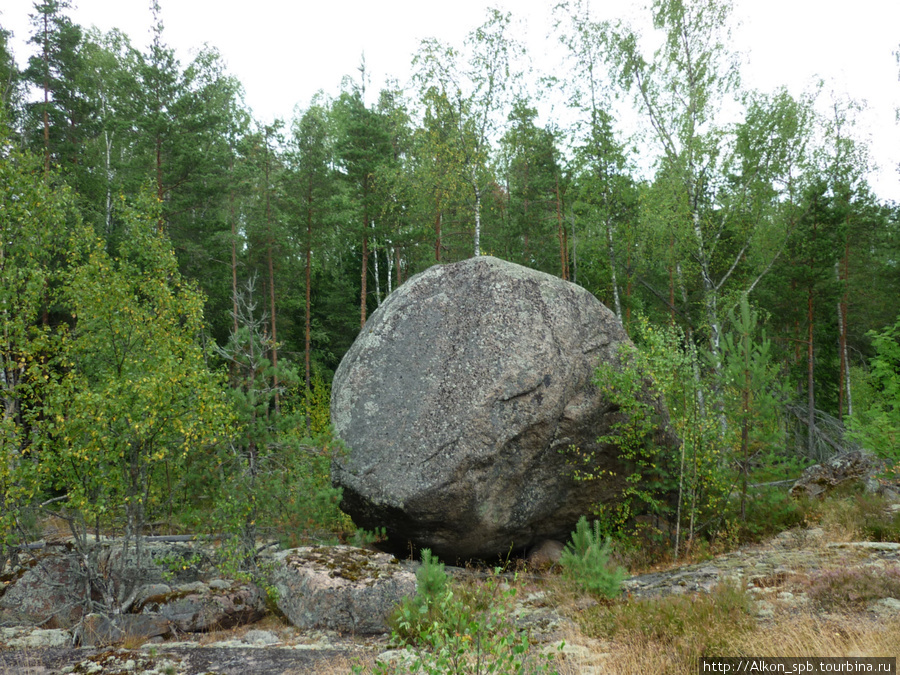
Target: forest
179	281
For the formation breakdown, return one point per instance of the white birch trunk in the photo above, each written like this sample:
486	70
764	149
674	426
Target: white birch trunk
612	267
389	254
477	220
377	276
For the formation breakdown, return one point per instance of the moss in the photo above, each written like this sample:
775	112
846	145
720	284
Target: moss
351	564
155	602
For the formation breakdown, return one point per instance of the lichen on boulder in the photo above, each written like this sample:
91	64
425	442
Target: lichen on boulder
459	402
342	588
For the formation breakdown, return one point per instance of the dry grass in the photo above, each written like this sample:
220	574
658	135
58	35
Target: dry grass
340	666
635	652
669	635
857	517
23	663
270	622
807	634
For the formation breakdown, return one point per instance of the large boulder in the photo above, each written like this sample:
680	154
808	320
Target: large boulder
459	402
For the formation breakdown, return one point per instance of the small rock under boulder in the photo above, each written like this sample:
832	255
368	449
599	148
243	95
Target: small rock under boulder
342	588
458	401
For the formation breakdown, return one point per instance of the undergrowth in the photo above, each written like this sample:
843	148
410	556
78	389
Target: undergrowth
684	627
585	561
853	588
463	629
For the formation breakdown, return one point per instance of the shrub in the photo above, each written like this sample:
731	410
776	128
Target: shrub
585	561
860	515
414	615
853	588
770	510
460	628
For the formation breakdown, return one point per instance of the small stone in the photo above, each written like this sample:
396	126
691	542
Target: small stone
40	639
260	637
764	610
886	607
396	657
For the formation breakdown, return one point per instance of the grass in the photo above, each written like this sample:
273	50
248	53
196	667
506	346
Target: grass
853	588
669	635
858	516
686	626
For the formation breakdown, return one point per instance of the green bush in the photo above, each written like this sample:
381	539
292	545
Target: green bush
585	561
770	510
460	628
416	614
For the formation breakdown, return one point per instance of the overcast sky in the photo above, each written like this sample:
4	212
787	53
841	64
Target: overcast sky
284	51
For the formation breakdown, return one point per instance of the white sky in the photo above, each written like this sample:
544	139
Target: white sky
284	51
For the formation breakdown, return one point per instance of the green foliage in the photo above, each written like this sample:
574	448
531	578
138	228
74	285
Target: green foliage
274	474
752	388
40	233
846	589
310	405
176	563
585	561
417	613
877	425
625	385
362	538
460	629
664	364
136	398
769	511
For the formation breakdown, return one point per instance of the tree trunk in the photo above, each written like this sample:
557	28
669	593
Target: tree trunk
377	273
843	272
810	378
672	281
563	244
234	290
389	259
271	264
611	252
438	218
365	272
628	276
308	336
46	58
477	222
160	192
745	424
810	362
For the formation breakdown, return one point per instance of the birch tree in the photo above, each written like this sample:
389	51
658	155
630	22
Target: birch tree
470	94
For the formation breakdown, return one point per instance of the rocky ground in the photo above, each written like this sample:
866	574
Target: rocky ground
775	572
